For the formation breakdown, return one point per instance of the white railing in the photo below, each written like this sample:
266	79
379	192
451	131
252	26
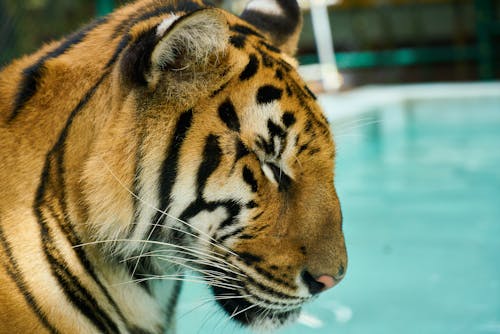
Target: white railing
327	70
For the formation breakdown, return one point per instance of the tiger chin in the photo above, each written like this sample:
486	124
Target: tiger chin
167	139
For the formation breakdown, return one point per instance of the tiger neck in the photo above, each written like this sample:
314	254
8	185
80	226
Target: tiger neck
66	201
146	301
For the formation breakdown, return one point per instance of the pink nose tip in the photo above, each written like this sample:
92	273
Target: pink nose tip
327	280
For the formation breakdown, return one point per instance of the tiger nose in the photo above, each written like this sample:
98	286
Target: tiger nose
321	283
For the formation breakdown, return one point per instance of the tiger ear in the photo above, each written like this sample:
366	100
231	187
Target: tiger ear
193	39
281	20
178	44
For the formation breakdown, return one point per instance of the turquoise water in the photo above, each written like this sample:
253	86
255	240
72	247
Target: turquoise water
420	188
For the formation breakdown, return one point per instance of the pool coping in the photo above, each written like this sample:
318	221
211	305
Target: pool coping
361	100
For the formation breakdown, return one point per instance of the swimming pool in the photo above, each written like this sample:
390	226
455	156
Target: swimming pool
418	174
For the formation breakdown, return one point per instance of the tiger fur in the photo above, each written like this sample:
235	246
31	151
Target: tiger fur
165	137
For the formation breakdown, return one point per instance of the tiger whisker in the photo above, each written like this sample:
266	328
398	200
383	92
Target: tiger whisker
198	237
234	311
208	300
176	278
213	280
194	309
242	311
219	262
155	252
357	121
215	254
227	297
209	272
153	242
144	245
205	262
217	244
264	313
345	130
348	135
204	272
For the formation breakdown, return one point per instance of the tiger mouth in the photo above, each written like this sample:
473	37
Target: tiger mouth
253	314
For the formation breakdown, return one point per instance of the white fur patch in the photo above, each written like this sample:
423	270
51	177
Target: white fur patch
269	174
162	27
206	221
265	6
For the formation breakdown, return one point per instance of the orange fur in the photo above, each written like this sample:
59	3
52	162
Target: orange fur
87	148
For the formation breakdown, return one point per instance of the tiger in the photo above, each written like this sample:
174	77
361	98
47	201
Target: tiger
167	141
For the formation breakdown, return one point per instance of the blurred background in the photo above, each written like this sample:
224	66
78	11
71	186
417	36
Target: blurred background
412	90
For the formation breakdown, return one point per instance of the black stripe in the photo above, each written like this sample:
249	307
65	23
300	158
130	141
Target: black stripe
137	330
303	97
16	275
268	94
310	93
245	30
257	216
250	259
241	151
136	184
212	156
220	89
279	74
170	168
270	47
267	289
234	209
309	127
249	178
228	115
275	130
265	145
70	284
288	119
284	181
59	147
251	205
262	287
267	59
121	46
303	147
70	233
271	277
251	68
314	151
59	152
139	268
71	287
167	179
224	237
127	24
32	74
238	41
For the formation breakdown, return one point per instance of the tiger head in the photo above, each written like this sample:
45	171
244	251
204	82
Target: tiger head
230	157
